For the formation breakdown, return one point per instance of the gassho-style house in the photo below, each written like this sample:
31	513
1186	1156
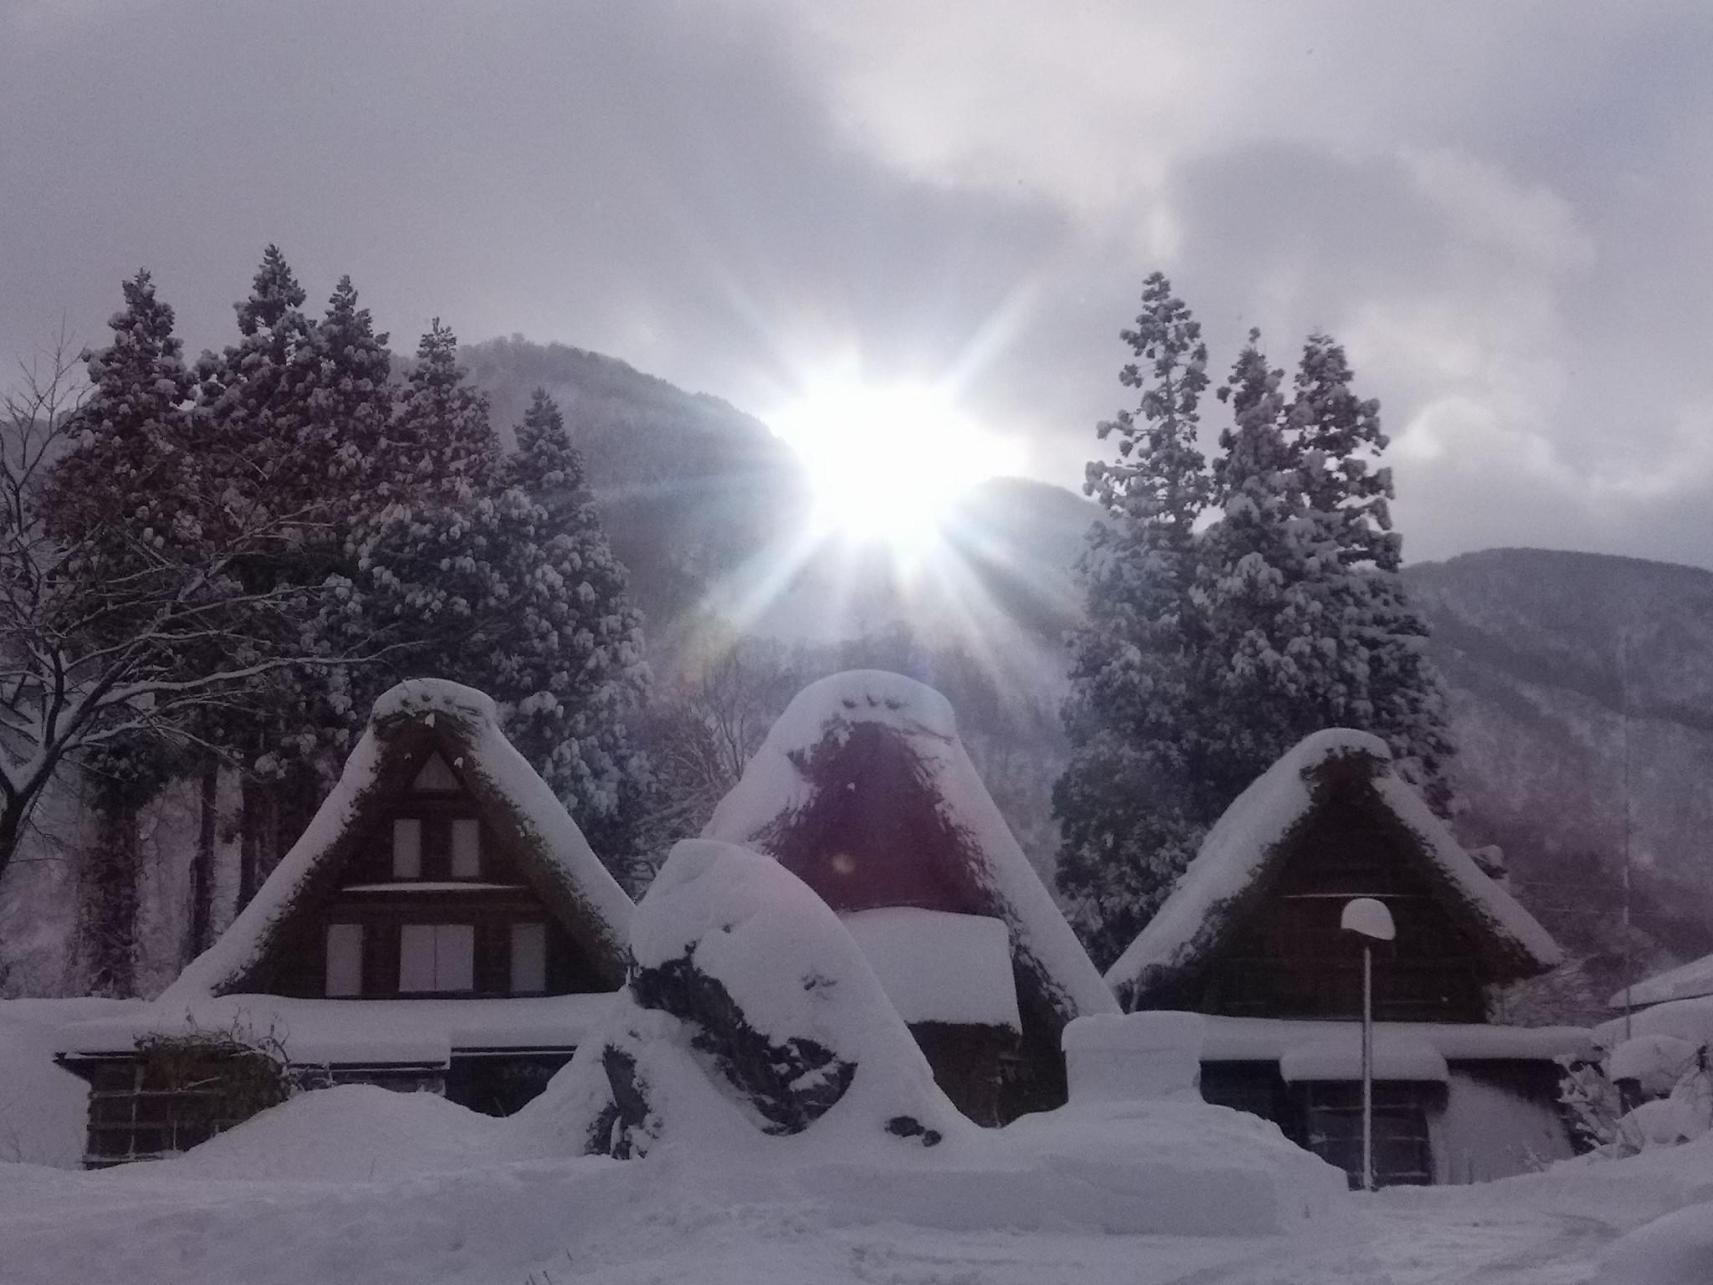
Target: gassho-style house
443	926
1250	938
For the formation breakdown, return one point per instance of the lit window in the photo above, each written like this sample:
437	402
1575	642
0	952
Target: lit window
407	848
344	959
529	958
466	848
437	958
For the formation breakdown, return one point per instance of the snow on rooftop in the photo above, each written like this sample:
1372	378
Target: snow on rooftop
485	757
423	698
773	787
1398	1055
1268	1039
1237	849
316	1031
939	967
1689	981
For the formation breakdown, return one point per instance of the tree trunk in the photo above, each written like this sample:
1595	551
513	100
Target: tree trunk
201	933
112	866
252	840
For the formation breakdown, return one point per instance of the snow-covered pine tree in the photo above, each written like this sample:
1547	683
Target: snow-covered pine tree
253	396
253	400
1259	673
547	467
603	704
440	431
1125	802
1308	625
349	405
1387	685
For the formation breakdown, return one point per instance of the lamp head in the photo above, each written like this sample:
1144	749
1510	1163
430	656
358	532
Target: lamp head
1368	917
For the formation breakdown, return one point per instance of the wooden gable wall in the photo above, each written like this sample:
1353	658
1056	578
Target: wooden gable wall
1290	959
494	934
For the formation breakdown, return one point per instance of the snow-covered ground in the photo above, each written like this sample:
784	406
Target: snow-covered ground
663	1220
359	1185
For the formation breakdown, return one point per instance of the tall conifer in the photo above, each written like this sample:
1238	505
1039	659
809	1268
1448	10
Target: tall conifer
1124	801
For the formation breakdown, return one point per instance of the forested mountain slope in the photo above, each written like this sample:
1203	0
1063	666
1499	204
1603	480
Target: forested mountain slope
1543	653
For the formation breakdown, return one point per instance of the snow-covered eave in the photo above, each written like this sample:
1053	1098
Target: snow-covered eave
1267	1039
380	1032
411	720
1231	874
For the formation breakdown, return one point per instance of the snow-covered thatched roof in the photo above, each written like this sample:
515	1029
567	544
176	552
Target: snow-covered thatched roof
904	757
1231	874
412	722
1689	981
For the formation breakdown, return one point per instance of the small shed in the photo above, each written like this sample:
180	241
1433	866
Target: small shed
1250	936
441	924
864	791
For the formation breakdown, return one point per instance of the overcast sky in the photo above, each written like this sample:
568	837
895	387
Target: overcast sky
1505	211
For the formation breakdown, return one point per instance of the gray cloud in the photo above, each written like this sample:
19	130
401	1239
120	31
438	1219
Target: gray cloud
1505	211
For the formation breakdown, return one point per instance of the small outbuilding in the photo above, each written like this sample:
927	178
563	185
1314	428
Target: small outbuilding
1250	937
441	925
863	790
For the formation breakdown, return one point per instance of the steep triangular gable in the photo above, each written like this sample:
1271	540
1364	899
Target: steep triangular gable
1232	872
975	864
412	725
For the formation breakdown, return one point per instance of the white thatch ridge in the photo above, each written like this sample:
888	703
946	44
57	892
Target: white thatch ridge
1220	884
462	724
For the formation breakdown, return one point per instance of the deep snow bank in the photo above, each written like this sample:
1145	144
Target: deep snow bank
352	1132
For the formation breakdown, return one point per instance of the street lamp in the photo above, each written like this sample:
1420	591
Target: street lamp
1369	919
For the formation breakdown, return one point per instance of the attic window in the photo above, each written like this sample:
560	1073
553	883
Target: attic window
431	845
436	777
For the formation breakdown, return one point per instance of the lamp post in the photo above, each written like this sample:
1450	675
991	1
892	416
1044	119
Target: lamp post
1369	919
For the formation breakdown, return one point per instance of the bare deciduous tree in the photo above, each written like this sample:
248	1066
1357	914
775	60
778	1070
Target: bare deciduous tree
90	656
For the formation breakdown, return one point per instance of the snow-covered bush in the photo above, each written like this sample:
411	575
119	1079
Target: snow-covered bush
204	1082
1654	1088
749	1011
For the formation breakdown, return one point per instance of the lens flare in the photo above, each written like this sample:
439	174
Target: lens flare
886	462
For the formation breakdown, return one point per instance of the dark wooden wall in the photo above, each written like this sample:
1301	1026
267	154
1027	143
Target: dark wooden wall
1291	959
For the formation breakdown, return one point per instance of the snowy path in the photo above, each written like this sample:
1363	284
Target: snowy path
554	1223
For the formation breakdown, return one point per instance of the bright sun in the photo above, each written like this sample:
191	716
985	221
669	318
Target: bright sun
886	463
